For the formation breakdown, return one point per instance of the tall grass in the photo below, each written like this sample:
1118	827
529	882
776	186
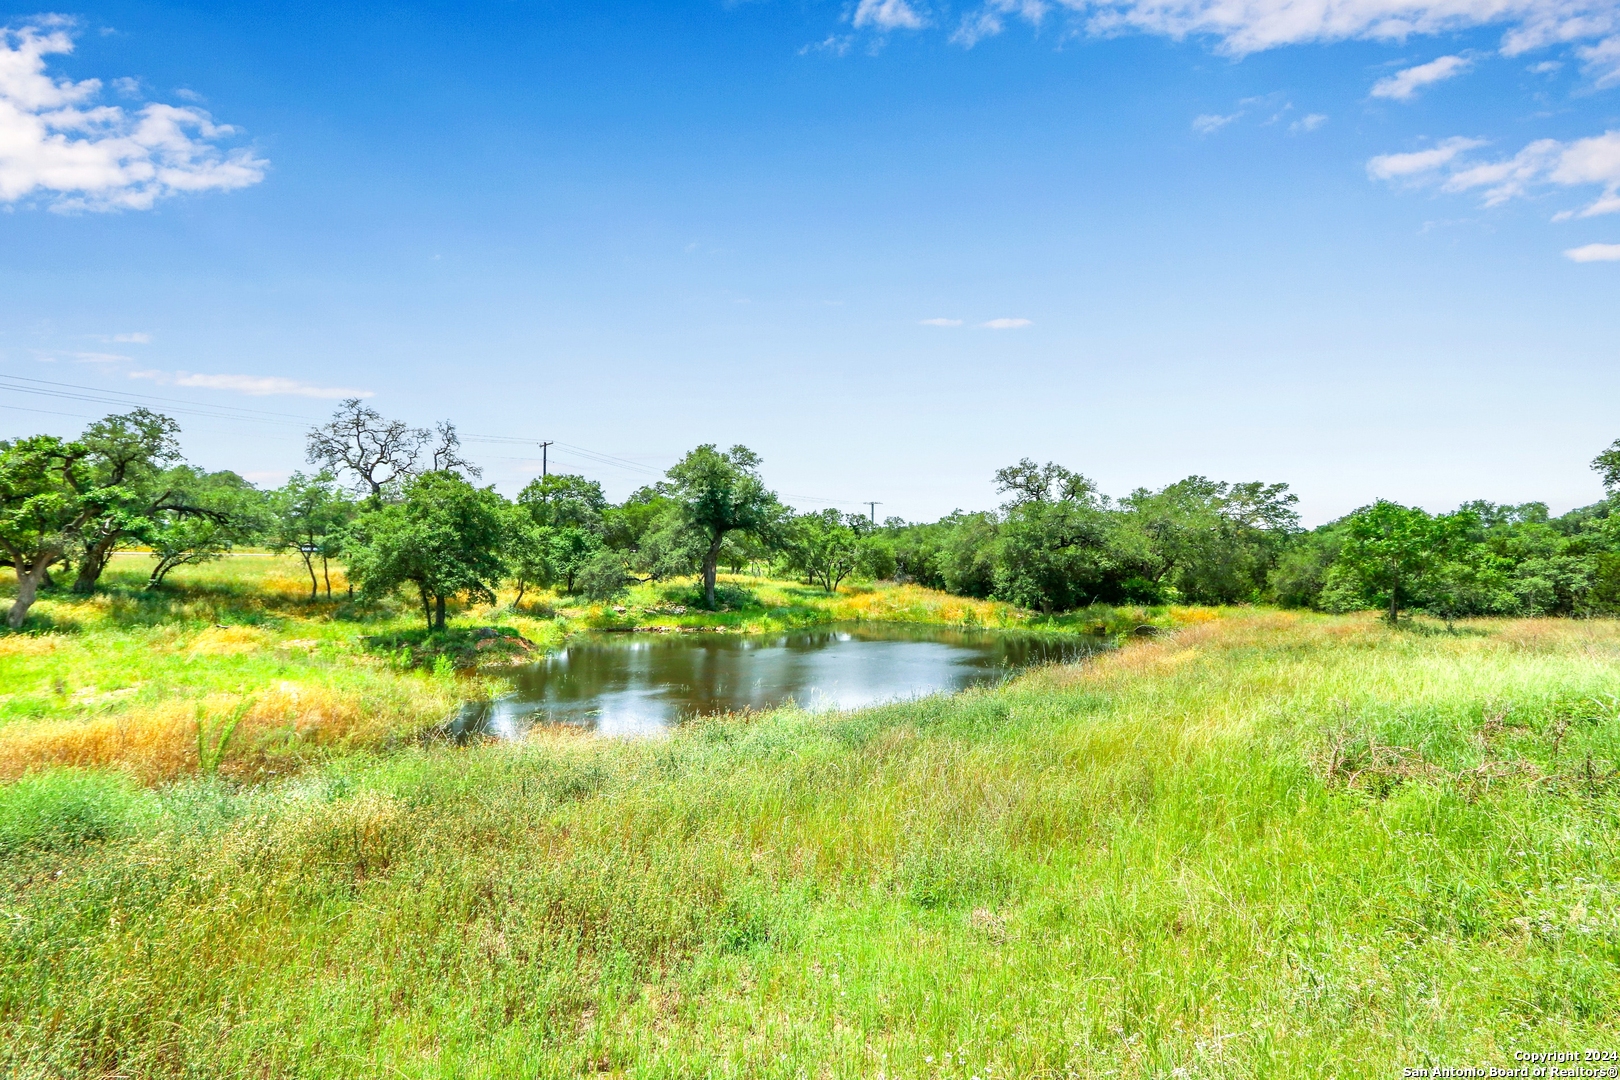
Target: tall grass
120	678
1268	845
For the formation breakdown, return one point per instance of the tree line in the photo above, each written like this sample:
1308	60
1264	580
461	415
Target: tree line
399	508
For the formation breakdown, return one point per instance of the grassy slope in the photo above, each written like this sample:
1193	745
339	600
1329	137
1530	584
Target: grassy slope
122	677
1272	845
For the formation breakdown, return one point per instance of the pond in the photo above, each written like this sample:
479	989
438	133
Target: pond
639	684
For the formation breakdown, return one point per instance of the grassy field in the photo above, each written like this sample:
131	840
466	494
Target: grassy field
1266	845
231	669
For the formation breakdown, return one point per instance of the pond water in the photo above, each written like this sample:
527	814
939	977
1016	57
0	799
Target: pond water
637	684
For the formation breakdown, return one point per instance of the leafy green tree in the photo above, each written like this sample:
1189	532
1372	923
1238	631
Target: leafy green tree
719	493
1607	465
1300	572
568	550
525	550
823	546
562	500
1388	550
740	551
1052	556
568	514
308	515
1205	540
443	538
214	512
128	461
1052	544
967	556
47	497
603	576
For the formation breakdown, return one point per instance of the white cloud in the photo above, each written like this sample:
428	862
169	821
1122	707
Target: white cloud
987	21
941	322
1246	26
1404	85
1594	253
1602	61
834	44
1209	123
1308	123
136	338
1394	166
1006	324
1589	162
55	141
100	358
252	385
1546	67
888	15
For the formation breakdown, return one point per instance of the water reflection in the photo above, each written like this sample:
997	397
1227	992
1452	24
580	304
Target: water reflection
634	684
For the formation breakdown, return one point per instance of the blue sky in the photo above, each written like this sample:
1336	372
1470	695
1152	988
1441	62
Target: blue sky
1370	248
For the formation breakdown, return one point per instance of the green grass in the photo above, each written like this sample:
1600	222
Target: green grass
140	678
1268	845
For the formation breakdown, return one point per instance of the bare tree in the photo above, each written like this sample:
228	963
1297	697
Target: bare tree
377	453
447	454
359	442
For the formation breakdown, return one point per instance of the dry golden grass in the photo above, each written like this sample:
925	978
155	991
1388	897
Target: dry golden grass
281	726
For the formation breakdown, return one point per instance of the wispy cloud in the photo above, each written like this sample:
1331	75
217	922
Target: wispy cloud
834	44
100	358
1594	253
1209	123
57	143
1602	61
1006	324
1404	85
987	21
1255	25
888	15
1308	123
135	338
1420	162
1586	162
252	385
940	322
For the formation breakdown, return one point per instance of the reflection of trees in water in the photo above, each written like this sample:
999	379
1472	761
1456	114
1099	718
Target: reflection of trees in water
694	675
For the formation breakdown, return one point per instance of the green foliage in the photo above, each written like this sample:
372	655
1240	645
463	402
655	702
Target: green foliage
129	460
602	577
822	547
1052	545
443	538
308	515
1387	553
47	497
203	518
718	493
562	500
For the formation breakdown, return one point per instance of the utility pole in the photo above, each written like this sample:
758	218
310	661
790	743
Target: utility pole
543	459
873	506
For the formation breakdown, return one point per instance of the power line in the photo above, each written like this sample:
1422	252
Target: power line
75	392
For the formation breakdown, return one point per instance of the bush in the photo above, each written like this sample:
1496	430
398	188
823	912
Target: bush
602	578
